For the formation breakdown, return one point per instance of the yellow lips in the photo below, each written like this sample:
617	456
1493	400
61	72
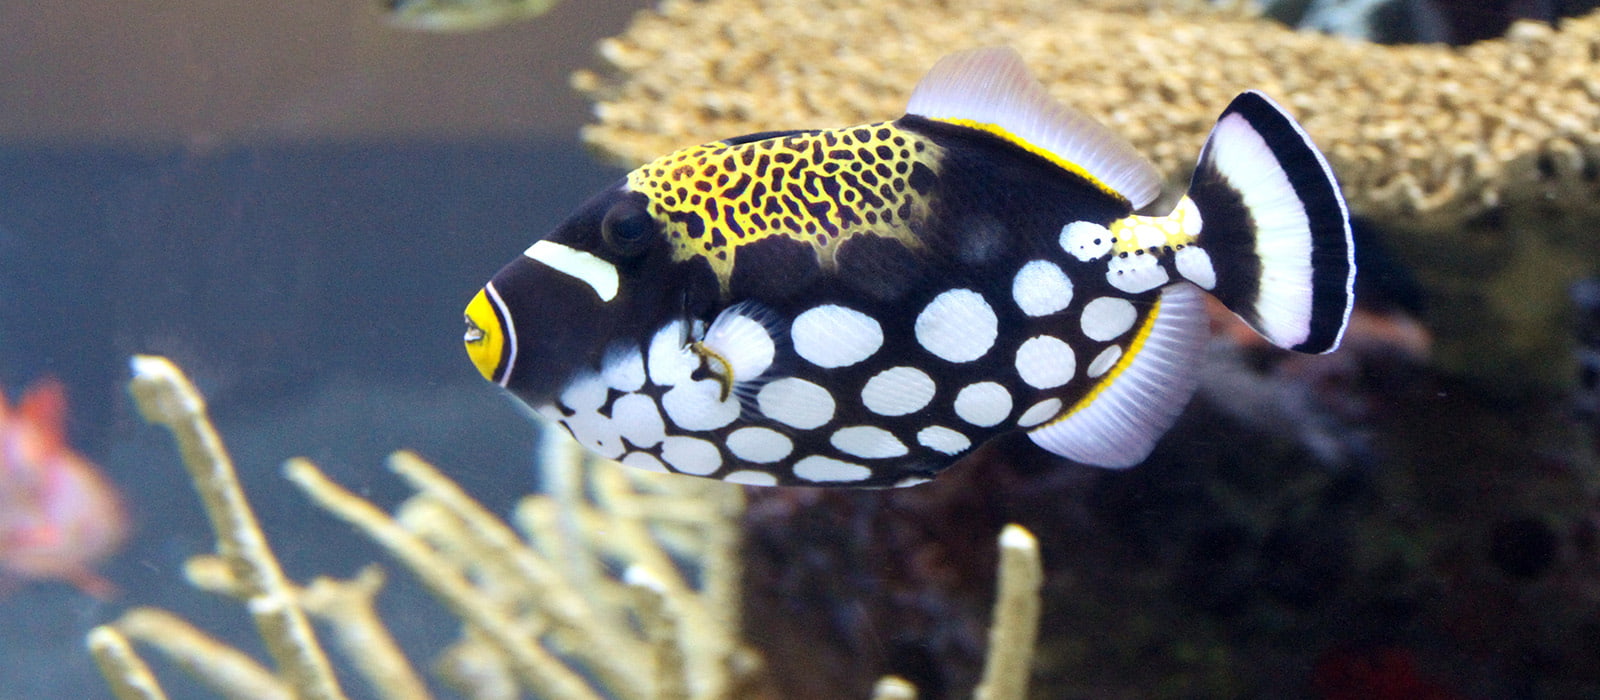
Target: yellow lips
485	337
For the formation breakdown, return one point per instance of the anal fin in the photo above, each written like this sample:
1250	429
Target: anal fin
1119	421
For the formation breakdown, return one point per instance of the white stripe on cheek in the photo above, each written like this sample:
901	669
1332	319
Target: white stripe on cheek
510	331
587	267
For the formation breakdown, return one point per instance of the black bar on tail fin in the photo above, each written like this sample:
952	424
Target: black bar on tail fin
1275	227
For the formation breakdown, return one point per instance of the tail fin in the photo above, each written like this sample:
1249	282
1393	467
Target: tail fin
1275	227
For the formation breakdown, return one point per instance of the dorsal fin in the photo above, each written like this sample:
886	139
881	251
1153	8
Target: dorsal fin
992	87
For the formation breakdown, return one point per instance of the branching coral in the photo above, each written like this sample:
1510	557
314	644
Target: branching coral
621	584
541	611
1411	130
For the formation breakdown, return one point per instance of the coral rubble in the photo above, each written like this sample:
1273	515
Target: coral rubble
1445	132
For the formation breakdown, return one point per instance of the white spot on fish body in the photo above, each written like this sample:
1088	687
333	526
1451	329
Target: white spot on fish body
1195	265
1105	361
623	369
595	432
867	442
911	481
983	404
1046	362
698	405
818	468
958	325
750	477
691	455
759	445
1107	317
587	392
1085	240
941	439
638	420
796	402
897	391
1136	273
595	271
834	336
645	461
1041	288
670	361
1150	233
1039	413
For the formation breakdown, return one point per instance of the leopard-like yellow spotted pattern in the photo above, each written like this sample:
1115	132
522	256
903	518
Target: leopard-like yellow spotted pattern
821	187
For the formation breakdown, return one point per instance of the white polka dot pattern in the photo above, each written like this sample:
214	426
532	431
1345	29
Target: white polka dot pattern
585	393
645	461
698	405
1195	265
624	370
669	361
596	433
1107	317
818	468
897	391
983	404
1105	361
751	478
1085	240
638	419
1039	413
796	402
1045	362
957	325
868	442
1041	288
941	439
691	455
1136	273
759	445
833	336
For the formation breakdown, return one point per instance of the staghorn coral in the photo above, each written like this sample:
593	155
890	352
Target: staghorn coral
543	612
1411	130
540	612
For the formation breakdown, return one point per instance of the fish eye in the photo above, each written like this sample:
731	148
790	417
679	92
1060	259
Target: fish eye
628	227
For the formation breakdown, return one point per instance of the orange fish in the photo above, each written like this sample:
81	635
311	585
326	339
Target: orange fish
58	515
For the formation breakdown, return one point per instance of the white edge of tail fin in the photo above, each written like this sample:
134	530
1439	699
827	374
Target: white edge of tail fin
993	86
1117	425
1303	294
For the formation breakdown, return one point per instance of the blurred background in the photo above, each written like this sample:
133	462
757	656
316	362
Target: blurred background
294	201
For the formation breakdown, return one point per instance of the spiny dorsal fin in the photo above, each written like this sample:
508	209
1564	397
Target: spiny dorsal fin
992	86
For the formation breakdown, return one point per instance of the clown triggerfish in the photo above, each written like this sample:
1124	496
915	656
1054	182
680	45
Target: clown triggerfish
864	306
